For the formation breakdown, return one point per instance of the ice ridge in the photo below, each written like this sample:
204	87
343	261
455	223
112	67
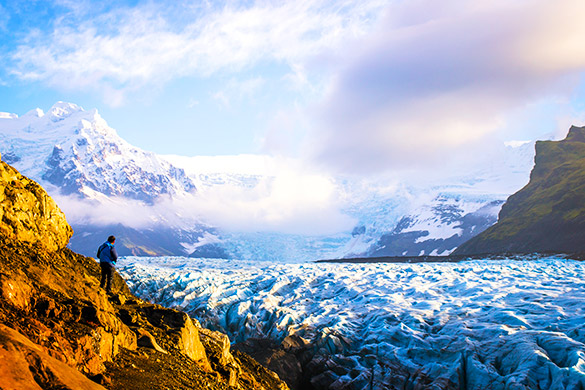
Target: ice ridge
474	325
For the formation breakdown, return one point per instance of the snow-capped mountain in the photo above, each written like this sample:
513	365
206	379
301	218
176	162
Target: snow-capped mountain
437	229
99	179
244	207
76	151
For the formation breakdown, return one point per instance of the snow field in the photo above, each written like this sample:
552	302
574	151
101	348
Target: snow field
478	324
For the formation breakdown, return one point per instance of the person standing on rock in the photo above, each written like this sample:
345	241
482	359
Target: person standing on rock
108	256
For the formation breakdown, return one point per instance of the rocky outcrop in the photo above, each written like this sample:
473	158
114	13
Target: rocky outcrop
28	214
548	214
58	328
32	368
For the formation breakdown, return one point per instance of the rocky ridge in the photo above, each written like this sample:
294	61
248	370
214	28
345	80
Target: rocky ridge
58	330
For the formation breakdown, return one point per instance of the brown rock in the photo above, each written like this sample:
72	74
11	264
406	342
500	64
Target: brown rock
32	368
219	345
28	214
15	291
190	343
145	339
183	331
55	322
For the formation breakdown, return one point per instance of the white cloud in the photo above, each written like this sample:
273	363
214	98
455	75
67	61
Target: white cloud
285	199
128	48
222	99
292	203
192	103
4	18
107	211
437	78
237	90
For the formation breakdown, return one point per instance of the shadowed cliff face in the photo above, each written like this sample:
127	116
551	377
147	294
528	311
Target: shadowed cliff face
548	214
59	330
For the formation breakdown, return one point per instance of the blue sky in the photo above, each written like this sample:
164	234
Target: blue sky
355	87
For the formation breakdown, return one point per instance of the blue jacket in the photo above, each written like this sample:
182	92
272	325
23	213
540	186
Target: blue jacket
107	253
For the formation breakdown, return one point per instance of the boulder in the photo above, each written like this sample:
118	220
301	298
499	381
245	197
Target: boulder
182	330
28	214
145	339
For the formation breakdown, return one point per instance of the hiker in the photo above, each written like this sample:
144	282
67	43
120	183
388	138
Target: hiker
108	256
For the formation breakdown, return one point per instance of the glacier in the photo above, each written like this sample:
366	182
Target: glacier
476	324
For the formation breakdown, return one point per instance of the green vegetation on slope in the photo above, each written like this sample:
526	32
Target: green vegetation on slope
548	214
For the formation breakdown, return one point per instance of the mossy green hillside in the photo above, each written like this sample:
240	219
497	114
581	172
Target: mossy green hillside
548	214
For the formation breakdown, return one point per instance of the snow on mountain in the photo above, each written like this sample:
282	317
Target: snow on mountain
78	153
482	324
104	184
439	226
392	216
256	207
434	217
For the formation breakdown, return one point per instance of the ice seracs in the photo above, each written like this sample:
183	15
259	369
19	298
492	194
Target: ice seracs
477	325
62	110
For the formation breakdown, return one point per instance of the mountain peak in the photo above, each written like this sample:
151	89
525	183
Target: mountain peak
36	113
576	134
8	115
547	215
62	110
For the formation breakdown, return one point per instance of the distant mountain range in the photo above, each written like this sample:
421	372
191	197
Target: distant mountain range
548	214
107	186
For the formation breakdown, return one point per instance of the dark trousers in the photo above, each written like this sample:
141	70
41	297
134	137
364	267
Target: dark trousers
107	274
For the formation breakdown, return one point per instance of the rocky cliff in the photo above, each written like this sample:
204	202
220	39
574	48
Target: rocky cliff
58	330
548	214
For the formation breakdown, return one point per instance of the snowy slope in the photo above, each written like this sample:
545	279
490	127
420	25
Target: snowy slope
436	216
104	184
476	325
77	152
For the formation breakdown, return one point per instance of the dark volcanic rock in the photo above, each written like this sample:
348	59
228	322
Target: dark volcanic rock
548	214
284	359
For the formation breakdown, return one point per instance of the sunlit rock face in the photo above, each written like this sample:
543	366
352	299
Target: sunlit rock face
28	214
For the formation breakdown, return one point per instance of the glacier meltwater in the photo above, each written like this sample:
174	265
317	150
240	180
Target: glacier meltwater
481	324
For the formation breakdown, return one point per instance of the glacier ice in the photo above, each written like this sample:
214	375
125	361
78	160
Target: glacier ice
482	324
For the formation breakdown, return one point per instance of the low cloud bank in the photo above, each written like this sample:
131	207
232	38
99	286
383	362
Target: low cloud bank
291	202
